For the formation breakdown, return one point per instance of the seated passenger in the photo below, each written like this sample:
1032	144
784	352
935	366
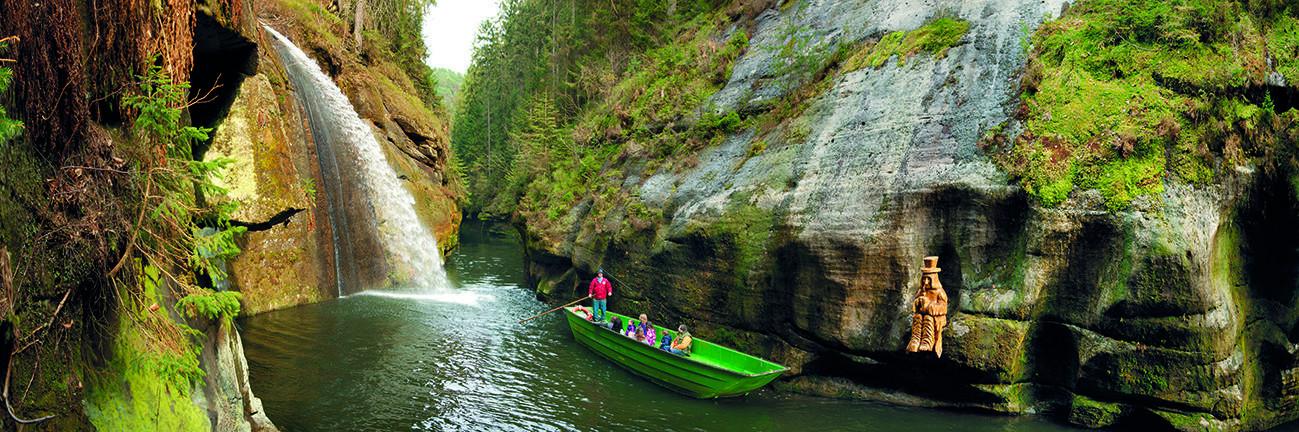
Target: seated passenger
665	343
681	346
615	324
639	336
648	327
631	329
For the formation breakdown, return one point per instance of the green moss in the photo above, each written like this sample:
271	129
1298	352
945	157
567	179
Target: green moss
21	191
1119	94
992	346
934	37
1011	398
153	369
1117	281
747	229
1091	413
757	147
1283	44
1191	421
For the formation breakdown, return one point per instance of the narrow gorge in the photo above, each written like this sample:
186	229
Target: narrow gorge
1105	183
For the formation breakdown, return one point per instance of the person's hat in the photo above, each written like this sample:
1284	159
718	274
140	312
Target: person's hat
931	265
600	270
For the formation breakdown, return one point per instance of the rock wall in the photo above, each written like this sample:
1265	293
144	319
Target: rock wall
274	170
226	394
808	250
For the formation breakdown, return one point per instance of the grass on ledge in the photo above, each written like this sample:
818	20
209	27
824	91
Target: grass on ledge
934	37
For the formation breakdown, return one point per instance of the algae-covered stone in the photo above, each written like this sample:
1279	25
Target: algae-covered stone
1088	412
992	347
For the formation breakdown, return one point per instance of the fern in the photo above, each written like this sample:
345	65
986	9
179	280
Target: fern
179	190
210	304
9	128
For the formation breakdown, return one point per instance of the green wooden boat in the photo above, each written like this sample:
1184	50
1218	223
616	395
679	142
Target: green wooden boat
710	371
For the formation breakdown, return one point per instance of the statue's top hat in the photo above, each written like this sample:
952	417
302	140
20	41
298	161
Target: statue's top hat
931	265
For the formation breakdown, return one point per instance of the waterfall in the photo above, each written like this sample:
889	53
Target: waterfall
346	146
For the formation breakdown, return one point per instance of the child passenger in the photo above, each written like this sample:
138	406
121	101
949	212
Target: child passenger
648	329
665	343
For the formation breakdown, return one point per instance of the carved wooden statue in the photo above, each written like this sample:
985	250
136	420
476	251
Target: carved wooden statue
928	311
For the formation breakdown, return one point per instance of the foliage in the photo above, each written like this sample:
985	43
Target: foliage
935	38
399	24
575	54
308	186
1123	95
178	190
213	247
446	83
213	305
9	128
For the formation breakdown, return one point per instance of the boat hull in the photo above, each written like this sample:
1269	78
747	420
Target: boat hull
675	372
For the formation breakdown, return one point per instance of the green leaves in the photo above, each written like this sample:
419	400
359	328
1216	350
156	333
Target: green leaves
212	248
9	128
223	305
179	190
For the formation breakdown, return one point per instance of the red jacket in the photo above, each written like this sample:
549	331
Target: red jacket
600	288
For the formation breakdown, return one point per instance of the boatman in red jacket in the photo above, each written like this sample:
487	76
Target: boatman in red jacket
600	291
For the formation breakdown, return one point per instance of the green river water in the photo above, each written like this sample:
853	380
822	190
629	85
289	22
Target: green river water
461	362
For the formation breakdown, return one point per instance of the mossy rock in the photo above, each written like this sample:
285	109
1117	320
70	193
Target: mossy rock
1088	412
1186	378
148	385
271	171
993	347
1020	398
1194	422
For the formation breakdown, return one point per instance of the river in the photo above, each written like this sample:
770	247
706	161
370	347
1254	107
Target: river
461	362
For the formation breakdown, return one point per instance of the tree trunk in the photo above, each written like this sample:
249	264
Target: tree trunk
358	23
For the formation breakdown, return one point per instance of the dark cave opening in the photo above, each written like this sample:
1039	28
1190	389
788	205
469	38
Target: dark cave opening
1283	98
222	58
919	374
1269	243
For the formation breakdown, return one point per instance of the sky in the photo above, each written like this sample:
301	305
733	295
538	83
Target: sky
449	30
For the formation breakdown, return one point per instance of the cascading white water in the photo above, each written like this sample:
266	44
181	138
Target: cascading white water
413	255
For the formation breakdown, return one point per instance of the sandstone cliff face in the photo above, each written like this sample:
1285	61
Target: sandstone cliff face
808	251
226	393
275	170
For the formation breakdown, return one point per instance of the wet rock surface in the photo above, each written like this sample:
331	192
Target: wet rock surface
226	394
273	168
